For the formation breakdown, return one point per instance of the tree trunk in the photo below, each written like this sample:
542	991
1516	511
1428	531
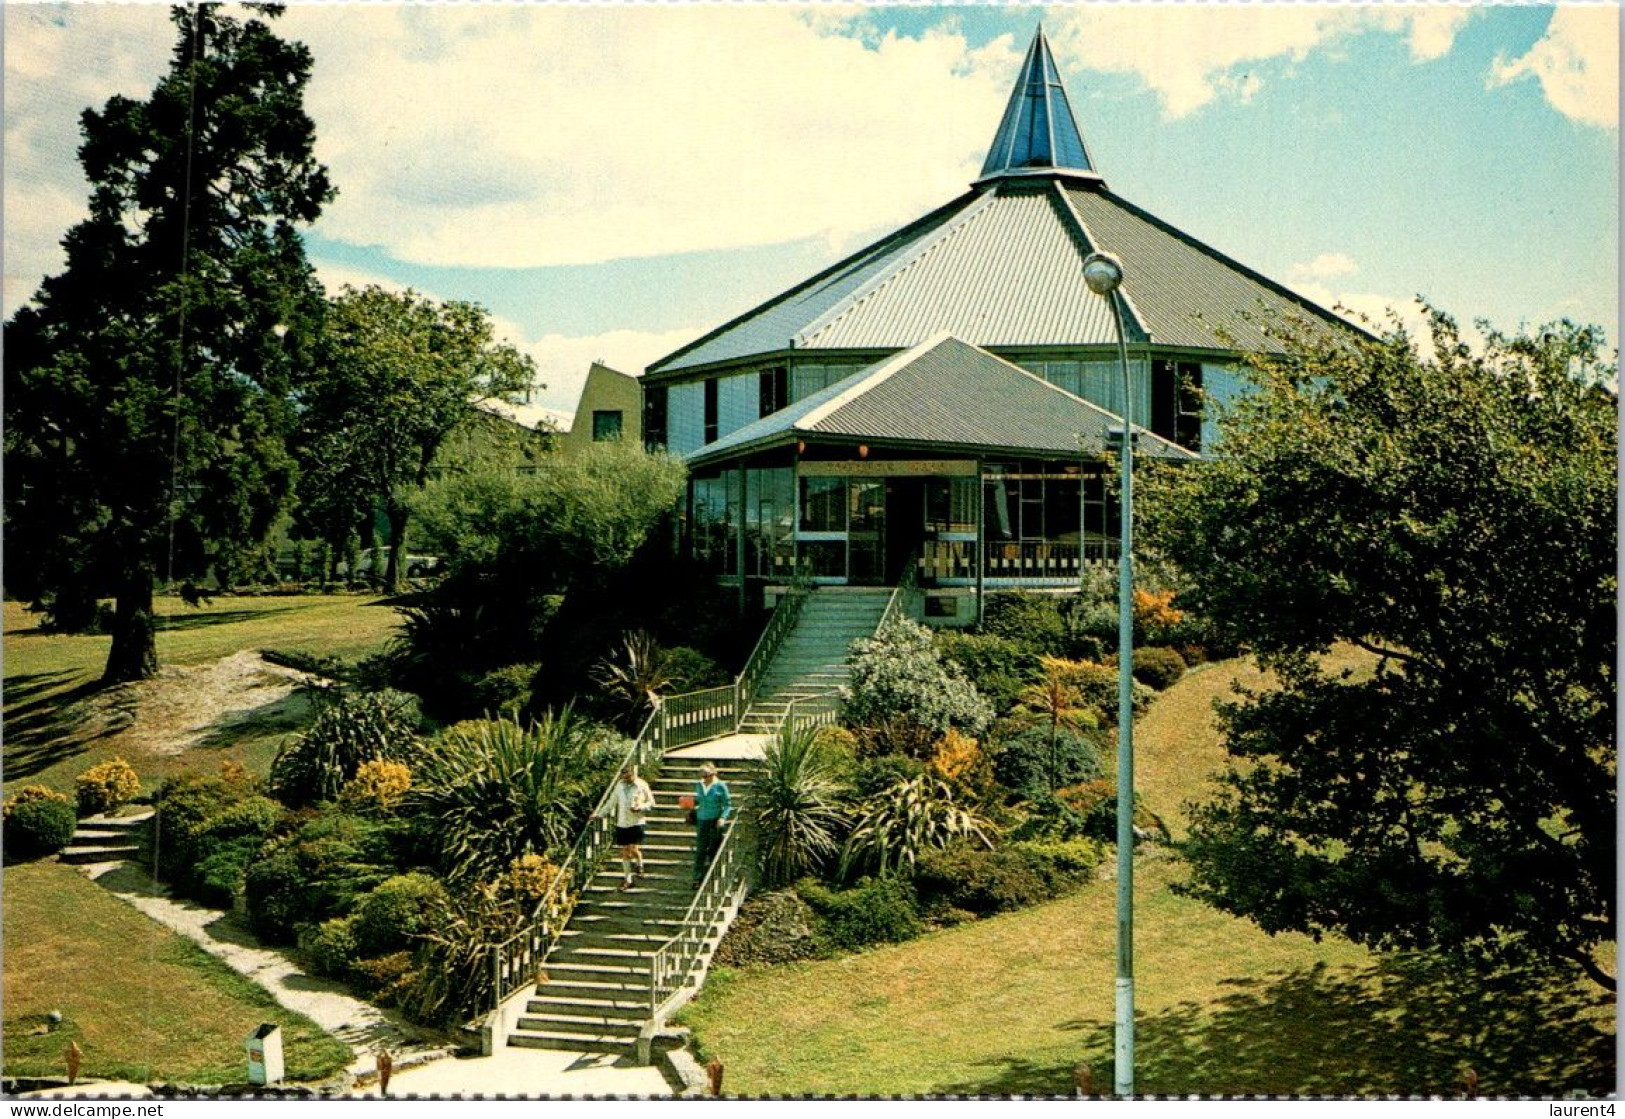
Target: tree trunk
397	547
134	655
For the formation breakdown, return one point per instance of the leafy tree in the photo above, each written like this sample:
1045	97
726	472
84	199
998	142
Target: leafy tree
1454	516
147	385
400	373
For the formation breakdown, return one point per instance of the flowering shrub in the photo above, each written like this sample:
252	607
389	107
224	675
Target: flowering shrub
899	678
377	786
104	787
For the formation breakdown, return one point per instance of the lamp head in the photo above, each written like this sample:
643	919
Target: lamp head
1103	272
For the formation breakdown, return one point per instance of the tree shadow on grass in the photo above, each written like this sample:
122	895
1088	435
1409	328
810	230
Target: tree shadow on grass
49	727
204	618
1411	1024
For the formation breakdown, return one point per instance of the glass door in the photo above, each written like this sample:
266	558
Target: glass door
866	532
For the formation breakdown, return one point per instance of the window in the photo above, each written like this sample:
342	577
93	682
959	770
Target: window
606	426
711	410
654	417
823	505
774	390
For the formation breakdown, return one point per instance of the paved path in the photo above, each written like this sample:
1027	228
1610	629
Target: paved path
364	1027
360	1025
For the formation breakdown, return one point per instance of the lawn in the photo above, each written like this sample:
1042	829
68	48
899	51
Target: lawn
1013	1004
56	716
161	1009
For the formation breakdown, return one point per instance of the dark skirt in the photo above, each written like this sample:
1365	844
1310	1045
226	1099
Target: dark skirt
629	837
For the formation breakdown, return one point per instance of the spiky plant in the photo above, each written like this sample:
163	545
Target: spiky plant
637	675
792	813
905	819
495	790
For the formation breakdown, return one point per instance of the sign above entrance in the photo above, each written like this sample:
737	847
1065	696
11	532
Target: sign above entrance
915	468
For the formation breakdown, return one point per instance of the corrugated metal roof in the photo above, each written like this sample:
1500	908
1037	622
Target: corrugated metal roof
1005	272
943	392
1184	292
771	326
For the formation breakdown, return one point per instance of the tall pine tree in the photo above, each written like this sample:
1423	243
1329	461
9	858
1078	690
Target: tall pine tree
149	386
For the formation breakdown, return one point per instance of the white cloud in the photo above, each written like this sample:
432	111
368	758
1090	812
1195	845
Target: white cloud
1326	266
1191	54
527	136
1576	63
59	60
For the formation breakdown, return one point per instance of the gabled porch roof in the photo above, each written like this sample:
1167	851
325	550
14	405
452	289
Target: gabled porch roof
945	394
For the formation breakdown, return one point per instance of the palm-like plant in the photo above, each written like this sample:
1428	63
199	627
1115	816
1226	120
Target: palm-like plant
905	819
638	675
1056	703
498	790
792	813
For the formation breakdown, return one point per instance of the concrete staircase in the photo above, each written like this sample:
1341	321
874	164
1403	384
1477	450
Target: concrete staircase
106	839
812	659
596	995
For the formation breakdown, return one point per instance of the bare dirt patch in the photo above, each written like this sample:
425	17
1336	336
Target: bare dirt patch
188	706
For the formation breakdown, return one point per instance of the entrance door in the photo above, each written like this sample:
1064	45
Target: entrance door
905	524
866	532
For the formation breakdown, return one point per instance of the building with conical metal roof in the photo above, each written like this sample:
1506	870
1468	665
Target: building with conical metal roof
994	280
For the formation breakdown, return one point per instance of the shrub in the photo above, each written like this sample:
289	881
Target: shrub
960	760
1158	668
29	794
898	677
901	822
37	825
316	873
104	787
791	814
353	729
189	807
693	670
1097	687
505	690
527	880
978	881
451	980
378	786
1045	817
499	790
776	927
1063	862
1029	761
873	911
329	948
875	775
395	912
1032	622
998	666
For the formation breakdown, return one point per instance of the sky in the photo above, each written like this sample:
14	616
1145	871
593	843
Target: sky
611	182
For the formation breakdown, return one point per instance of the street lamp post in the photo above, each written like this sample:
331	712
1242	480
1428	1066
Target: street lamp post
1103	272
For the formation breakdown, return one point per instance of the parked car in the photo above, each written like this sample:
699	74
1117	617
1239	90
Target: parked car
415	566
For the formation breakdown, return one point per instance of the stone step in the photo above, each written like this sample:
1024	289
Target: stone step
647	941
594	1025
97	854
564	986
635	1009
570	1042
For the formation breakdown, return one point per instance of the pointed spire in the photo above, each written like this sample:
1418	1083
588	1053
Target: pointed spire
1038	134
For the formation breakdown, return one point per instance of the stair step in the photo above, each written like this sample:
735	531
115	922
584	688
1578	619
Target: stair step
72	854
565	987
570	1042
598	1025
575	1006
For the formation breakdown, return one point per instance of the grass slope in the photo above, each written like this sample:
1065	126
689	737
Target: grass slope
47	676
1013	1004
143	1004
